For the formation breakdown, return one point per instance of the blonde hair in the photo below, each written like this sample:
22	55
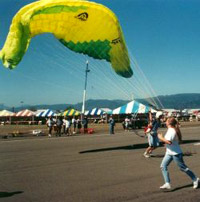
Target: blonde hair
174	124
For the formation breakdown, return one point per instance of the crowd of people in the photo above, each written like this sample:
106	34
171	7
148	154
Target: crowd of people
66	125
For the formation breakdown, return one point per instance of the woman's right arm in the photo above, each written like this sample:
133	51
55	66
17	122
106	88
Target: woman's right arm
161	138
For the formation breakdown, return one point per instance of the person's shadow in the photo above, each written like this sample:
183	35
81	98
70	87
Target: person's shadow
181	187
136	146
178	188
9	194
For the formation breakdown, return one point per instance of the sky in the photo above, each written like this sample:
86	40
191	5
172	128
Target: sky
163	40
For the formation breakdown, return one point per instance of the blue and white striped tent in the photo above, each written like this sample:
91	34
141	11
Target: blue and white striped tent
45	113
94	112
131	108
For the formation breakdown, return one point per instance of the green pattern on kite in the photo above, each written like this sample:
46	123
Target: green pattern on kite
96	49
59	9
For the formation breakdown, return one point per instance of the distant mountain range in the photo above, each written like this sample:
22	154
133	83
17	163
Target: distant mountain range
177	101
181	101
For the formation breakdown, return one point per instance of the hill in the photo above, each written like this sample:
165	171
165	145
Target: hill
181	101
177	101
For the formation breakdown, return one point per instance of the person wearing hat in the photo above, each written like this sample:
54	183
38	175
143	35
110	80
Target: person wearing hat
152	134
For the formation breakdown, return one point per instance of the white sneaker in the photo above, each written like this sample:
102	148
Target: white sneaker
146	155
49	135
196	183
166	186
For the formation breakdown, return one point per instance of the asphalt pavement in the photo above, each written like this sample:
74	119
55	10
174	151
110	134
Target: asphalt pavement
93	168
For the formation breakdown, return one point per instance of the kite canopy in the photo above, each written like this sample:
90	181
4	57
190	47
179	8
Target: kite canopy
83	27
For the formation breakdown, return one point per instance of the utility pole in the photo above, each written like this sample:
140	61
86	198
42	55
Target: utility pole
84	92
22	102
132	97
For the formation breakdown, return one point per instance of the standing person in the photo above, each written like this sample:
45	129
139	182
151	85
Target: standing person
85	124
174	152
123	125
50	126
79	125
153	135
74	124
59	123
111	125
64	125
68	127
127	123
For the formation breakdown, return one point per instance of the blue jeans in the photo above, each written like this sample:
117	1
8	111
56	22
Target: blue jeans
153	140
180	163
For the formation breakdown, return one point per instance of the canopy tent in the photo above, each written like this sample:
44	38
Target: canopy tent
171	110
45	113
70	112
6	113
106	110
25	113
131	108
94	112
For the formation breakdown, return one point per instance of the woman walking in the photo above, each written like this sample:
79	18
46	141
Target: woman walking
174	152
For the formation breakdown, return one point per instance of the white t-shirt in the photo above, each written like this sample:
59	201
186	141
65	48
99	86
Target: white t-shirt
127	120
174	148
49	122
67	123
64	122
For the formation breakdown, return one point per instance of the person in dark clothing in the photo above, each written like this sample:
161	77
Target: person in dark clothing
85	124
59	123
111	125
123	125
79	125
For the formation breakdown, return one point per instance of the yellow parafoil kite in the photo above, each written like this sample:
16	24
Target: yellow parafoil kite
82	26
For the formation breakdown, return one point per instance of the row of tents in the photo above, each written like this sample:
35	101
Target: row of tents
132	107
